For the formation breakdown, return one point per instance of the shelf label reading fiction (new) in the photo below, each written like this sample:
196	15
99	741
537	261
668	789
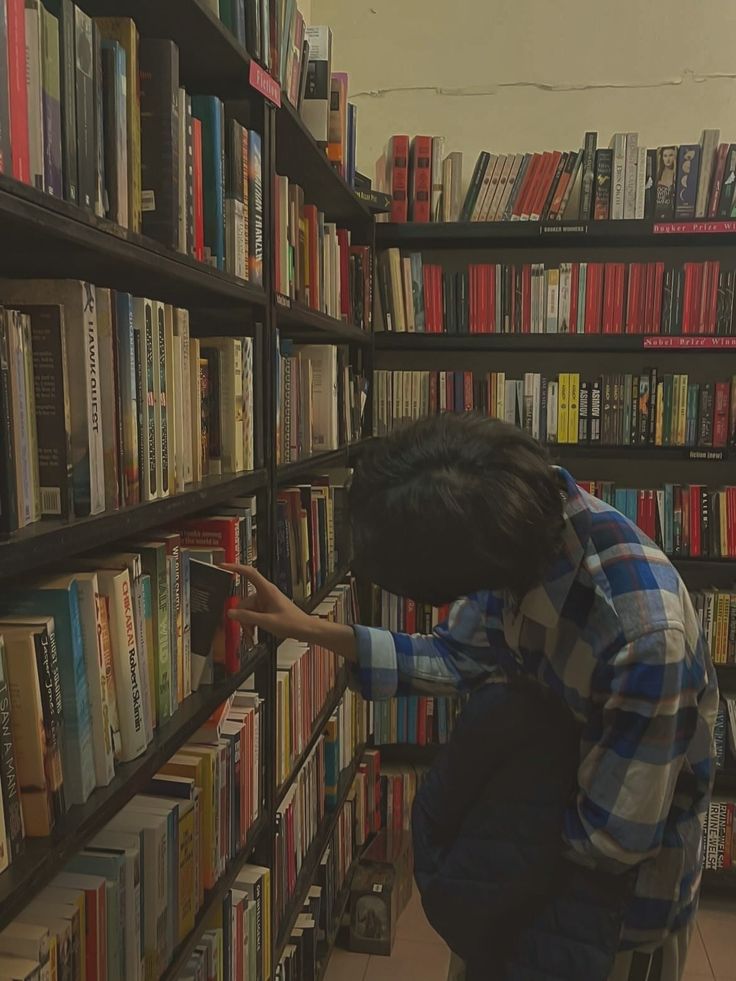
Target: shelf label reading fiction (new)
262	82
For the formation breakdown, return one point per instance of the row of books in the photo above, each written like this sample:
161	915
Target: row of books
317	924
689	298
399	785
311	536
127	900
95	114
320	400
724	733
685	521
316	263
106	401
96	658
716	609
314	792
623	180
649	409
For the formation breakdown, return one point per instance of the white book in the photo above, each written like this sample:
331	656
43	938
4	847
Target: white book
536	405
438	153
552	278
248	405
195	395
564	326
171	411
102	748
21	418
79	300
116	587
24	322
582	284
552	410
160	399
484	186
28	940
631	174
709	145
641	181
108	408
181	330
500	394
146	333
618	175
400	302
34	88
509	408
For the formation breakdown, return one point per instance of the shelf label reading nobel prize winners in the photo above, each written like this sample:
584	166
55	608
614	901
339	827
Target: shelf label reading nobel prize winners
692	343
262	82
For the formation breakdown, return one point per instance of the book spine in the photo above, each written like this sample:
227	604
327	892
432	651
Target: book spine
52	129
14	830
588	180
631	174
688	166
421	179
159	114
34	85
18	91
128	682
399	177
84	82
618	176
255	208
5	148
8	495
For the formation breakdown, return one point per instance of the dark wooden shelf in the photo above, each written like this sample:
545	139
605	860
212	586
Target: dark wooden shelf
321	721
532	343
341	904
335	579
526	234
212	899
312	859
598	452
55	239
711	566
299	158
44	858
211	60
719	883
408	753
35	546
312	464
303	324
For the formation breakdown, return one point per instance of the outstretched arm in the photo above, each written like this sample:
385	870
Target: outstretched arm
454	658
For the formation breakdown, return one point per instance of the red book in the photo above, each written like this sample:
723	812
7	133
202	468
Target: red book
720	414
658	288
593	298
512	298
647	310
609	290
711	316
526	297
526	187
343	240
219	532
695	520
421	178
703	297
574	298
439	299
398	157
198	190
632	299
410	620
489	292
545	185
428	307
618	298
472	299
468	403
540	175
719	168
20	153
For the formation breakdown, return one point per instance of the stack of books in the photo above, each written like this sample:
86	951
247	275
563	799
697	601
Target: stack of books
672	299
127	900
321	399
716	609
316	263
653	408
623	180
97	116
107	401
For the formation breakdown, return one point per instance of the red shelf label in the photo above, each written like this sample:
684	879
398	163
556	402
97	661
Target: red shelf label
694	227
262	82
690	342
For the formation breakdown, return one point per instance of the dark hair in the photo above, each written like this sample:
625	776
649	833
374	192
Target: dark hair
454	504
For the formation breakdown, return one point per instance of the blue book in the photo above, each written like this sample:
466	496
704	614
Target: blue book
129	423
255	208
620	499
57	597
210	111
632	498
111	866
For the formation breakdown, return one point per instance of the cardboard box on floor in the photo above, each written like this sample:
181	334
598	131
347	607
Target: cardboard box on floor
380	891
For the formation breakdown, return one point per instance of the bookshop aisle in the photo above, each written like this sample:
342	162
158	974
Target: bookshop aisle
420	953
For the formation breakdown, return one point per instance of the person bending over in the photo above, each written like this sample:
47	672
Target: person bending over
548	583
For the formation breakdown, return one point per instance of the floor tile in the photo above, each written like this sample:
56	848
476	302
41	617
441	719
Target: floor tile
345	966
718	931
410	960
413	924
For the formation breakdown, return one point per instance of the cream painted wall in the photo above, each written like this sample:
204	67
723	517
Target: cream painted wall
306	8
521	75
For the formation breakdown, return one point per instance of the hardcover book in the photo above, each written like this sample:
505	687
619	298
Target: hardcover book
159	113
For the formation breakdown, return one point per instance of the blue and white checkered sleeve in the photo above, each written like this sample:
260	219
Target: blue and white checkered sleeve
391	664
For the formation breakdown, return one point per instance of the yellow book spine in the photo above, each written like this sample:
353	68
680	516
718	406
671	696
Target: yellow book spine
563	411
682	411
659	427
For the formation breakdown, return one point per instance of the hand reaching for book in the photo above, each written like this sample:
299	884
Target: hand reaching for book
268	609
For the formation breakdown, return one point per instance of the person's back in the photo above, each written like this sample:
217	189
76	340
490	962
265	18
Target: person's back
488	846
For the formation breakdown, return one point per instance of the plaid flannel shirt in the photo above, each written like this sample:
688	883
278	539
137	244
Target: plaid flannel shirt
614	633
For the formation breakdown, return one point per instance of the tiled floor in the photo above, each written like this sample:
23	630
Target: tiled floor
420	954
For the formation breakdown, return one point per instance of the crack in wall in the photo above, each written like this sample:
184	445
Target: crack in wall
687	76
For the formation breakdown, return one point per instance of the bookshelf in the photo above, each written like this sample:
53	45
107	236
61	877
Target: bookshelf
53	238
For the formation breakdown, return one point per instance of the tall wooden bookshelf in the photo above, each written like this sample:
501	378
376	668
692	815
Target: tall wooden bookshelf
52	238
